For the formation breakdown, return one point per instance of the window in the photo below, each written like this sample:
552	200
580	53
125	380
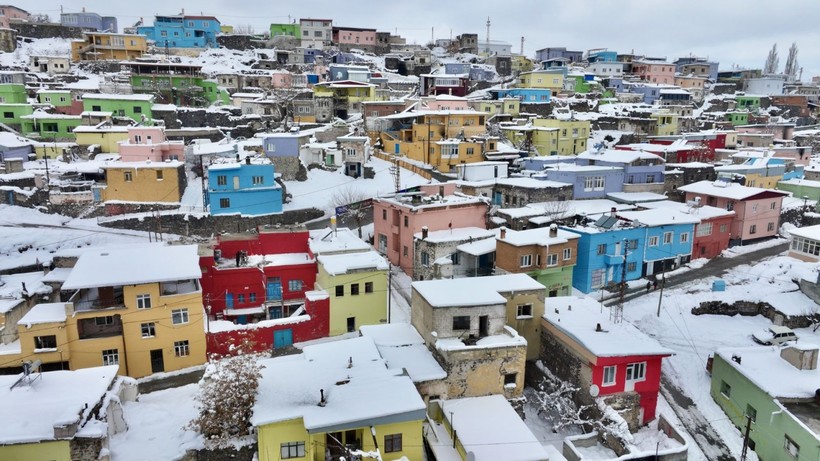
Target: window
258	180
594	183
221	180
524	310
632	244
384	215
406	221
509	379
725	389
8	114
137	109
526	260
126	176
704	229
143	301
770	227
636	371
252	297
295	285
751	412
110	357
340	291
609	375
791	447
240	299
368	287
602	249
179	316
753	229
455	258
597	278
567	253
425	258
653	241
224	202
552	259
404	250
159	175
290	450
684	237
723	228
45	342
730	205
148	330
392	443
772	205
354	289
181	348
631	267
667	237
102	321
461	322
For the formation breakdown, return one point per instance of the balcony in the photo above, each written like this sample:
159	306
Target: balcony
613	260
100	298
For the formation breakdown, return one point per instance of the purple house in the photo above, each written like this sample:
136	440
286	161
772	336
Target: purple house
642	171
284	144
588	181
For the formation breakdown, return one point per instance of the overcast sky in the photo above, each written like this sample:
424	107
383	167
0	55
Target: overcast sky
737	32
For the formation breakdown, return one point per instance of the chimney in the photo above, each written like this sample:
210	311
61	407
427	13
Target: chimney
503	233
553	230
424	232
612	211
322	401
350	362
247	160
598	328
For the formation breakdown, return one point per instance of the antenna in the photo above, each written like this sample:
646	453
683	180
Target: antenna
488	35
521	52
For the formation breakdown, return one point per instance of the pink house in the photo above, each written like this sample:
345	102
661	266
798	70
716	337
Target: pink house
149	143
8	12
654	71
396	219
757	211
347	38
446	102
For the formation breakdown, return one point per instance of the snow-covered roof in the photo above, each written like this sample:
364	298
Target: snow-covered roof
478	248
131	266
365	393
11	285
635	197
44	313
619	156
702	211
654	218
120	97
578	316
342	240
57	398
809	232
730	190
559	210
402	347
343	263
774	375
490	428
801	182
581	168
473	291
12	140
538	236
277	259
456	234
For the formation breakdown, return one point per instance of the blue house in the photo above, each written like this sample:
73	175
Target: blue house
525	95
182	31
279	145
601	250
591	181
600	55
668	237
643	172
247	188
650	92
88	20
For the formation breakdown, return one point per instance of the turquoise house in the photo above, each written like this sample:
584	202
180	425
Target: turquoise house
181	31
247	188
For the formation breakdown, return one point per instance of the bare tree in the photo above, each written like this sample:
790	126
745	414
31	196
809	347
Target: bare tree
353	204
245	29
772	61
791	63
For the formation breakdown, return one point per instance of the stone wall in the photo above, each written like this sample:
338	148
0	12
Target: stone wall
85	449
206	226
751	308
290	168
220	454
473	372
519	196
235	42
45	30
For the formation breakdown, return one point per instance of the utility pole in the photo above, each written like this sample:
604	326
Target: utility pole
389	290
660	298
746	438
618	313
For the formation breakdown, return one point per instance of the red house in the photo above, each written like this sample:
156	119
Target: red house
580	344
257	276
711	234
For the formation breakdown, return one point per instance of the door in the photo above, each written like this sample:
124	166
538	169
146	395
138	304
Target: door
157	362
235	182
274	291
396	149
483	326
229	300
282	338
276	312
351	324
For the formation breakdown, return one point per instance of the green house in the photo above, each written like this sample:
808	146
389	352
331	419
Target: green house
50	126
182	90
801	188
57	98
775	388
737	118
137	107
292	30
11	114
13	93
750	103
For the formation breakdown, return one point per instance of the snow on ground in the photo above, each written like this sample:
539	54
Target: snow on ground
318	190
28	236
38	47
156	426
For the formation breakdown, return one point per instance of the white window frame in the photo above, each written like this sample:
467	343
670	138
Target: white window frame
704	229
636	372
144	301
179	316
684	237
567	254
150	328
668	237
524	311
653	241
608	375
525	260
182	348
552	259
110	357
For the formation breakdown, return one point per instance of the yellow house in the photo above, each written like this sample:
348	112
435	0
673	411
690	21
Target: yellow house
147	181
504	106
347	95
551	80
333	400
667	123
44	412
440	138
357	284
520	63
96	46
139	307
52	149
107	137
572	135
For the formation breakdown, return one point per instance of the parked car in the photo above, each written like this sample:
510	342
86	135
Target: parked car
774	335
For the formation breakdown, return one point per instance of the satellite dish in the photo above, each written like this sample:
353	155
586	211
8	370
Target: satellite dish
594	390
